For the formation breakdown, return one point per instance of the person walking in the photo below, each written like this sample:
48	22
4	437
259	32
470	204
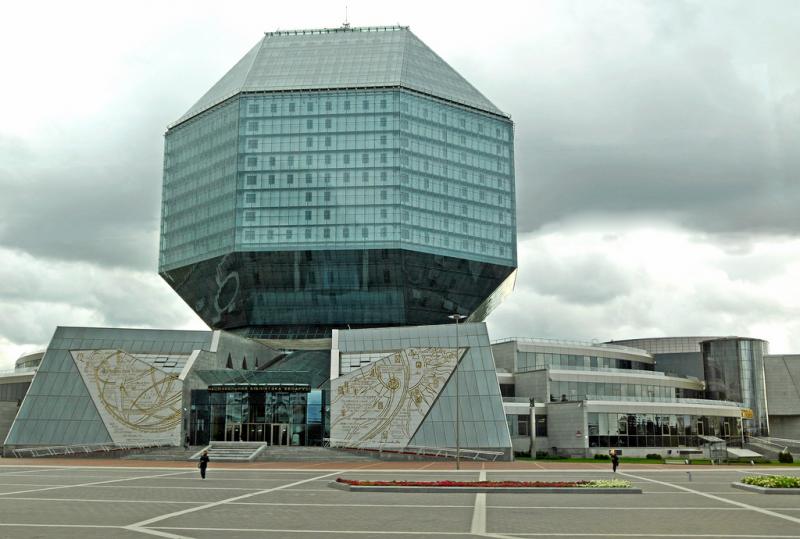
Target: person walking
203	464
614	461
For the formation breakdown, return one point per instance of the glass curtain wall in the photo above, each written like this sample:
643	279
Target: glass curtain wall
653	430
578	391
257	416
528	361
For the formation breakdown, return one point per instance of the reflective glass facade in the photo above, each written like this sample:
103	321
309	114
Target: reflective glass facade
653	430
734	370
291	204
578	391
528	361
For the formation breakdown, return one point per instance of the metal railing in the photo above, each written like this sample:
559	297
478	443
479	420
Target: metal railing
25	370
708	402
81	449
565	342
417	450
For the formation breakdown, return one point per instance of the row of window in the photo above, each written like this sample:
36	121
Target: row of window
578	391
291	235
361	132
528	361
617	424
423	109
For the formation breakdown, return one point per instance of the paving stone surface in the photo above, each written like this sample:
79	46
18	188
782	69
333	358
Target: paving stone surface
71	498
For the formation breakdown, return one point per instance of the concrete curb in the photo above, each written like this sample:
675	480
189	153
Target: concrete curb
765	490
470	490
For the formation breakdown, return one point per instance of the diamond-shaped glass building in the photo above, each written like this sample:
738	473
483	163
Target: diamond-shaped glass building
339	178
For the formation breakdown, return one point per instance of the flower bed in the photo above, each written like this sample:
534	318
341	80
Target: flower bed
613	483
772	481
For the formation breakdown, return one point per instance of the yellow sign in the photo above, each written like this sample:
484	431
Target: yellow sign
747	413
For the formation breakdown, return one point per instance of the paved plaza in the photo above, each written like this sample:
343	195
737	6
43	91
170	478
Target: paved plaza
99	499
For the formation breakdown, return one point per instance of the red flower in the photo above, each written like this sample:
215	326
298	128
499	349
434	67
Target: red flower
360	483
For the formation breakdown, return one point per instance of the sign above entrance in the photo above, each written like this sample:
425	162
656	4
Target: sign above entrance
267	388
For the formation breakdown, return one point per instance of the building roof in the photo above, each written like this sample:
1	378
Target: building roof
338	58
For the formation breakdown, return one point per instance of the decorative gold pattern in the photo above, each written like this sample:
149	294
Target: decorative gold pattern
387	400
132	396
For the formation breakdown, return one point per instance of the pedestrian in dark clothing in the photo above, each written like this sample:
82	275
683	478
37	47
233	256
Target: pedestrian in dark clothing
614	461
203	464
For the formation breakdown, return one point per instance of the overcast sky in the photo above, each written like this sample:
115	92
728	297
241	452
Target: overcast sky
657	156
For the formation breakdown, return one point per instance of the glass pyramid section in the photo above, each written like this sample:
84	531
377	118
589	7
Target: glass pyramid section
369	57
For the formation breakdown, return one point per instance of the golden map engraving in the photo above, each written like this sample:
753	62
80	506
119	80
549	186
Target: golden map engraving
132	396
386	400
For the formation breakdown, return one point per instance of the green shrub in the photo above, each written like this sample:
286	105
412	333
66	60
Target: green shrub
542	454
785	457
600	456
653	456
772	481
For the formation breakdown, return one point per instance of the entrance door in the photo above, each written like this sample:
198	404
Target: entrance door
233	432
280	434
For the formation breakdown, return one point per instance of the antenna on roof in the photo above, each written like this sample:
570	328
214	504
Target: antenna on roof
346	23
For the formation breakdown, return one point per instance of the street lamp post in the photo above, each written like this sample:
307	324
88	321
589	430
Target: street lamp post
457	317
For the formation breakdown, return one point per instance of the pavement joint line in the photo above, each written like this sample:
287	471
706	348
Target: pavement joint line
158	533
478	526
79	485
97	501
404	506
726	535
146	522
32	525
725	500
294	530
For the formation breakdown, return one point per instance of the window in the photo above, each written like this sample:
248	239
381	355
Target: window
383	121
252	126
383	213
346	177
364	232
327	159
346	159
308	215
291	107
384	158
383	232
252	143
272	161
309	124
383	195
273	108
271	179
326	214
249	235
309	142
252	161
289	234
290	179
347	105
252	108
327	142
365	176
251	179
328	106
249	216
365	105
327	177
383	103
327	196
463	209
327	123
326	233
383	175
345	232
364	158
250	198
290	161
309	178
383	140
310	106
308	196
